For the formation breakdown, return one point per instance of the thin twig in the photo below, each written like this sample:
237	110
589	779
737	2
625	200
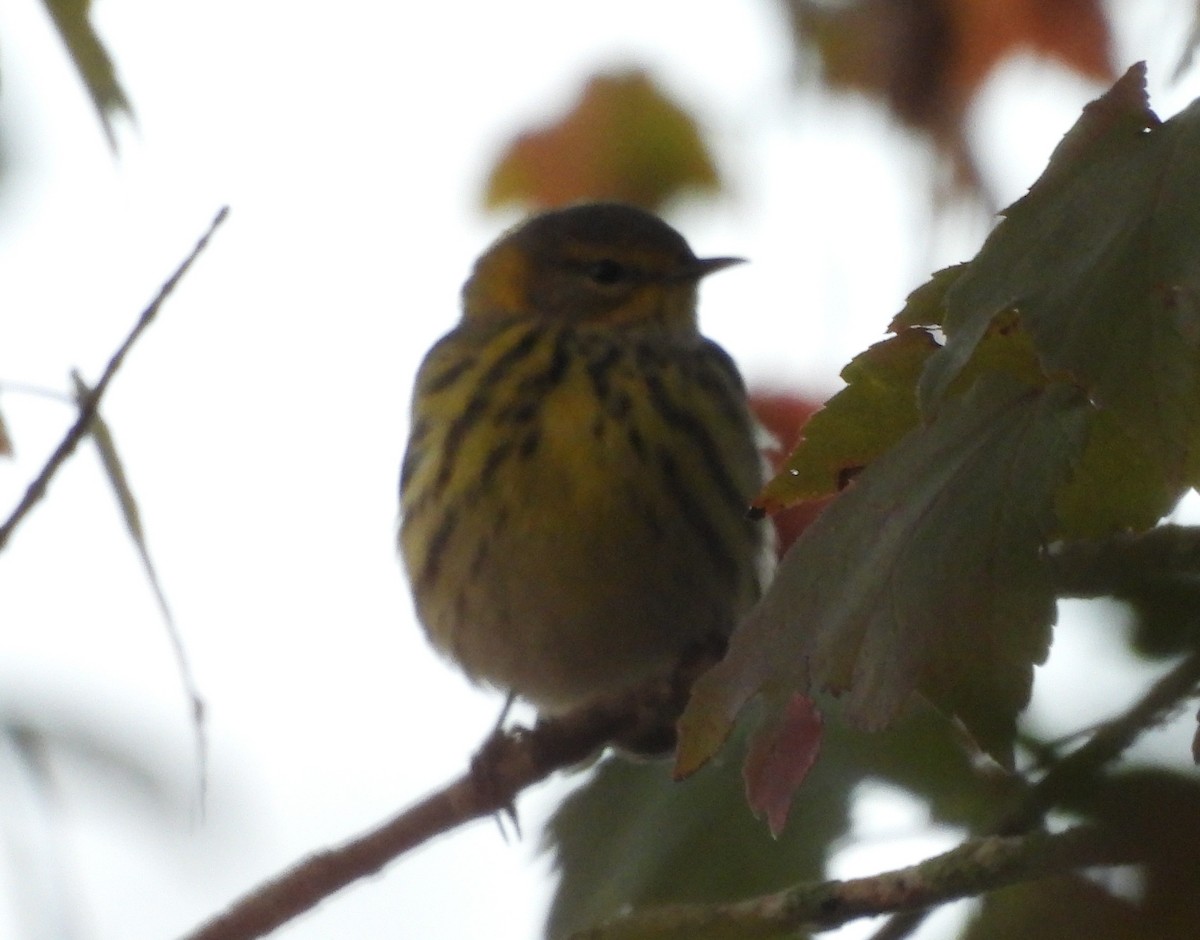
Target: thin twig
968	870
87	409
1111	740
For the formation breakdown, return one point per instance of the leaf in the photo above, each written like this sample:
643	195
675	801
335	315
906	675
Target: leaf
114	470
1155	814
926	754
625	139
1055	908
114	758
71	19
879	403
782	752
1117	485
6	444
877	407
926	60
923	576
632	837
926	306
1156	573
1100	260
784	415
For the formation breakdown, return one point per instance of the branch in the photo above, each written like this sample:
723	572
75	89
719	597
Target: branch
1072	773
1109	741
91	402
1123	563
507	763
972	868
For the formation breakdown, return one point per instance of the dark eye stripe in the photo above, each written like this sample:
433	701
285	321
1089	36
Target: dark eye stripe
607	271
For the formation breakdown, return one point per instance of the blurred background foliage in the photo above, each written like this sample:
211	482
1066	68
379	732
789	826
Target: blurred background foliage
628	836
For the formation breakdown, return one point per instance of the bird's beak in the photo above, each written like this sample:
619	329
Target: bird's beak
703	267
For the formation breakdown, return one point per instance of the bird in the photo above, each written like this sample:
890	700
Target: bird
580	461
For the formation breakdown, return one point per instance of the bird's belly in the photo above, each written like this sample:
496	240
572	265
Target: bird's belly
577	575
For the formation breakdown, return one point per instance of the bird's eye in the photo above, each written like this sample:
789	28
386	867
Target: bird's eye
607	271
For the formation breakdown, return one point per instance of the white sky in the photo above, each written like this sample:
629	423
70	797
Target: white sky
263	417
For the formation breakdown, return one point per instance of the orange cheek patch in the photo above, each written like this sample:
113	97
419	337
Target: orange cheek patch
506	277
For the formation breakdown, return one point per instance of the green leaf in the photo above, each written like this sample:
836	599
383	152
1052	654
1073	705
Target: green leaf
924	576
71	18
926	306
6	444
632	837
114	470
1156	815
926	754
877	407
1100	260
1119	484
1056	908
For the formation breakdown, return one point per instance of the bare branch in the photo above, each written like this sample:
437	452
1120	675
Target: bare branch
87	409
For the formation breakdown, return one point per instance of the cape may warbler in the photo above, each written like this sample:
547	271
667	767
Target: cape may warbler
574	495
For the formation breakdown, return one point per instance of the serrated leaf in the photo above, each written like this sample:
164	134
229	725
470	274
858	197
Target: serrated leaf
877	407
926	306
923	576
784	415
1100	261
71	19
624	139
782	752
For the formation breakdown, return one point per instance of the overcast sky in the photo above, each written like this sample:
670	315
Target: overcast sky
263	417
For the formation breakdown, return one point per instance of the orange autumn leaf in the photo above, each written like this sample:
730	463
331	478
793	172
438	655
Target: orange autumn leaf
625	139
927	59
1073	32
